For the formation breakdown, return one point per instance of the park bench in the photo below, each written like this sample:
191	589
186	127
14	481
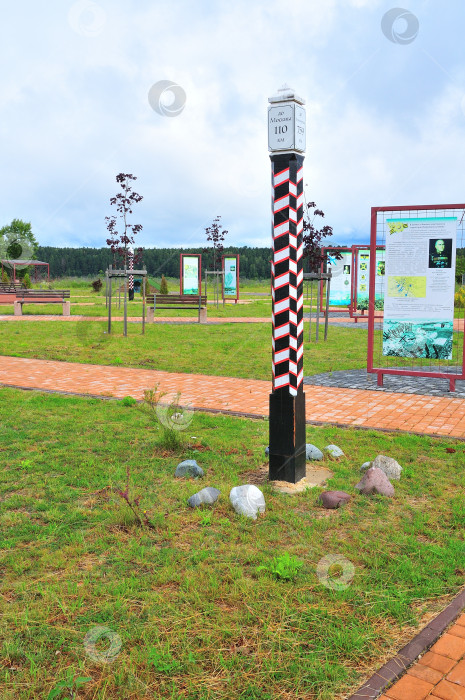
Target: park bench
8	292
176	301
34	296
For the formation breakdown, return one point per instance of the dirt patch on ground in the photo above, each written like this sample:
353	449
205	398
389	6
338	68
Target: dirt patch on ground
315	476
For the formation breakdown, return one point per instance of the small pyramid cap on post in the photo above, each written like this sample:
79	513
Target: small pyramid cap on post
286	94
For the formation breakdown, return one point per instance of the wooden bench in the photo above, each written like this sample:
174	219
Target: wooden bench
176	301
8	292
34	296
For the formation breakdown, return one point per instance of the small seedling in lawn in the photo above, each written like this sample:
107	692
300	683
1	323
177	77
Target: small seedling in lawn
133	503
171	419
285	567
68	687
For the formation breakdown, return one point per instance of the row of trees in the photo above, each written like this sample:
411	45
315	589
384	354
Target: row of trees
77	262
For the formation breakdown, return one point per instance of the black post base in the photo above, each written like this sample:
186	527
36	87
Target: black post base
131	295
287	436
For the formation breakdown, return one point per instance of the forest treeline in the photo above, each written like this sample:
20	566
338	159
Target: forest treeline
76	262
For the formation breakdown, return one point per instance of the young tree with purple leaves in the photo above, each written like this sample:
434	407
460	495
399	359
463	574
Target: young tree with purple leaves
120	242
313	237
216	234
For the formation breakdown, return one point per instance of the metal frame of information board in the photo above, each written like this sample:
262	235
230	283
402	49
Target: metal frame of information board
354	283
451	370
181	270
230	297
324	268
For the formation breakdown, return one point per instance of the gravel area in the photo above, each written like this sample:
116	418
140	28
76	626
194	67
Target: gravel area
360	379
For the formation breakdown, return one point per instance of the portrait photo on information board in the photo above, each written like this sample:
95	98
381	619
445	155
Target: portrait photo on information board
440	252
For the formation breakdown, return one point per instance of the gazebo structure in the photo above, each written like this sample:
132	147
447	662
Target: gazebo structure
21	264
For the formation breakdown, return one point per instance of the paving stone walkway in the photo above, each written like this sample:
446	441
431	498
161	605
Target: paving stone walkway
434	415
440	673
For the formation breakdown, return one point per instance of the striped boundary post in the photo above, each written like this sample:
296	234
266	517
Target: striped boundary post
287	400
131	267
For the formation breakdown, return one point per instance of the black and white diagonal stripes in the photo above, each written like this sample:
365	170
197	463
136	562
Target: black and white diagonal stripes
287	271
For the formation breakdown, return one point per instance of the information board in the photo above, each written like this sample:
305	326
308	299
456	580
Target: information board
191	274
339	292
363	275
420	285
231	276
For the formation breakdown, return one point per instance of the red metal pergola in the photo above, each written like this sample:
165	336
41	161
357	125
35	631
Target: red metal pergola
20	264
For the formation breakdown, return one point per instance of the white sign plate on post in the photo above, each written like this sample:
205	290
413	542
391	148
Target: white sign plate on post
286	128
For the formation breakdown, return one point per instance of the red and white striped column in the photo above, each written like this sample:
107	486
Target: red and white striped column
131	277
287	274
287	452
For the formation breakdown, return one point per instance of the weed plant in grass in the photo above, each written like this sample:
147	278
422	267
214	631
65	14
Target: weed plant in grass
194	617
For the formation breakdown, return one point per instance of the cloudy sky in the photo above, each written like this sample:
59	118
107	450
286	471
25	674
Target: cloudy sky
385	98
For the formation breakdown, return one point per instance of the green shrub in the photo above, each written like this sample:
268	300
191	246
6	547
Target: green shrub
163	285
27	281
5	278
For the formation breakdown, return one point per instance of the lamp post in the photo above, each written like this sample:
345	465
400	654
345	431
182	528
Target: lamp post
286	143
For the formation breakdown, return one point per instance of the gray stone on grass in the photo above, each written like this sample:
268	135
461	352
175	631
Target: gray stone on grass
375	481
312	452
247	500
333	499
389	466
188	468
334	451
207	495
267	451
365	466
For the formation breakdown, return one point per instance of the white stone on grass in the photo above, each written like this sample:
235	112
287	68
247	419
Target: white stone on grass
334	451
247	500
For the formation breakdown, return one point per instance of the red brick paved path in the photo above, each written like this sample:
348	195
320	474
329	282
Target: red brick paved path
440	673
353	407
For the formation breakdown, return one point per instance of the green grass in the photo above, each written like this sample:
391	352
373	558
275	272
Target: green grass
234	350
196	617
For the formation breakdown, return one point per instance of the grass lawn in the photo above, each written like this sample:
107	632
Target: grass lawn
194	616
234	350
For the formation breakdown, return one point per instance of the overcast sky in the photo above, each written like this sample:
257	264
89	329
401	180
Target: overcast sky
385	112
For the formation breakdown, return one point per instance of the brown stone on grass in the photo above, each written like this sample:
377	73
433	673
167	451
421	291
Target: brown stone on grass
375	481
333	499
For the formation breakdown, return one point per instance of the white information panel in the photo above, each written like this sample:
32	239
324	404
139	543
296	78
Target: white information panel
420	285
339	291
363	275
190	274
